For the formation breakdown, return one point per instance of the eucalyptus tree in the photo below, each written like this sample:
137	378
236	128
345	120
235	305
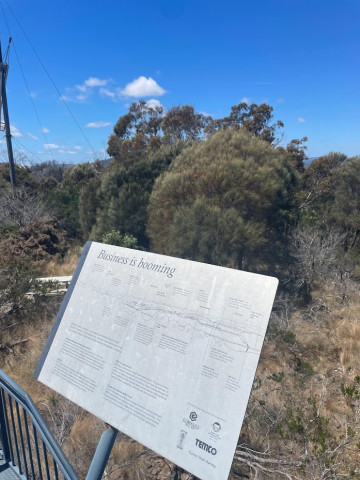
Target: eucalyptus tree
227	200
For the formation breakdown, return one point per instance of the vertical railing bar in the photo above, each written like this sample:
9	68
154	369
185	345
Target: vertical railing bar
55	470
12	453
22	440
29	444
37	452
15	436
46	461
7	450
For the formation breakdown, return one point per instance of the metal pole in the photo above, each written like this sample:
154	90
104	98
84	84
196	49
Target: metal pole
4	70
102	453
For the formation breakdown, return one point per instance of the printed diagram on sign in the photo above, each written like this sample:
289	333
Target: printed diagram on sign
169	317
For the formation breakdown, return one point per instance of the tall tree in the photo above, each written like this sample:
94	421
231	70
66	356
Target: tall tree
226	200
319	185
295	152
134	130
123	195
345	209
183	123
256	119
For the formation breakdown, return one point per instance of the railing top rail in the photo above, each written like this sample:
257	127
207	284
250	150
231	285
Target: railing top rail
24	399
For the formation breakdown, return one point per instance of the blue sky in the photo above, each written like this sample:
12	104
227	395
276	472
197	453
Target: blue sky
300	56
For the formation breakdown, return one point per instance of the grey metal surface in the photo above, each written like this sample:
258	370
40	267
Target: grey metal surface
9	474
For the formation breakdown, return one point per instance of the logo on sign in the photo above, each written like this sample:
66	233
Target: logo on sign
216	427
193	416
181	439
190	422
206	447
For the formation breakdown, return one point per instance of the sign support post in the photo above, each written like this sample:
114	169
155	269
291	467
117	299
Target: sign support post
102	453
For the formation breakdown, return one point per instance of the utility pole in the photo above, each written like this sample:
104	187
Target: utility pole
4	68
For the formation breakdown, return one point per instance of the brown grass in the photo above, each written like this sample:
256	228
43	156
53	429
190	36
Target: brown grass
328	340
65	267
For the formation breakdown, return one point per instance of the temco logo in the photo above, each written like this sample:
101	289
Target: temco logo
206	447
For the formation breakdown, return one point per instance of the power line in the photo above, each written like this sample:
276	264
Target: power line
21	146
47	73
33	104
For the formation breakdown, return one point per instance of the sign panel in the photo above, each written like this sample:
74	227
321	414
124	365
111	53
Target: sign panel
163	349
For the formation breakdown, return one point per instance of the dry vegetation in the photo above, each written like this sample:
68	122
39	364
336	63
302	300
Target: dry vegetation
303	417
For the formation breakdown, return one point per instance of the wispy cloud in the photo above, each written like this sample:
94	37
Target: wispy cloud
51	146
104	92
245	100
15	132
143	87
301	120
71	152
45	130
95	82
33	137
86	89
98	124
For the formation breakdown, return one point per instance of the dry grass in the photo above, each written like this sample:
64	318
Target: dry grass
326	338
65	267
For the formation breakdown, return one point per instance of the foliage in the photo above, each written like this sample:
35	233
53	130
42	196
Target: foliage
317	253
226	200
16	279
182	123
345	209
63	200
295	152
88	206
24	176
116	238
319	185
123	195
20	206
49	169
253	118
37	242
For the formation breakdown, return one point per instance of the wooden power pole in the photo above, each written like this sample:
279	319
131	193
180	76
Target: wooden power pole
4	68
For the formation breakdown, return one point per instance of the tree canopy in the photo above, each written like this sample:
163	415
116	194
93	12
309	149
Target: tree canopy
226	200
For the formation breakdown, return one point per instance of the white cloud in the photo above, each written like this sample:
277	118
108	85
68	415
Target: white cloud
45	130
301	120
153	103
245	100
67	151
77	147
143	87
86	89
33	137
98	124
95	82
15	132
33	94
104	92
50	146
81	97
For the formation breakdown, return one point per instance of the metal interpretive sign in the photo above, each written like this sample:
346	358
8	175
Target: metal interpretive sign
163	349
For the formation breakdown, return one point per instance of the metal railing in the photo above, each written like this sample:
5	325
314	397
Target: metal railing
27	445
